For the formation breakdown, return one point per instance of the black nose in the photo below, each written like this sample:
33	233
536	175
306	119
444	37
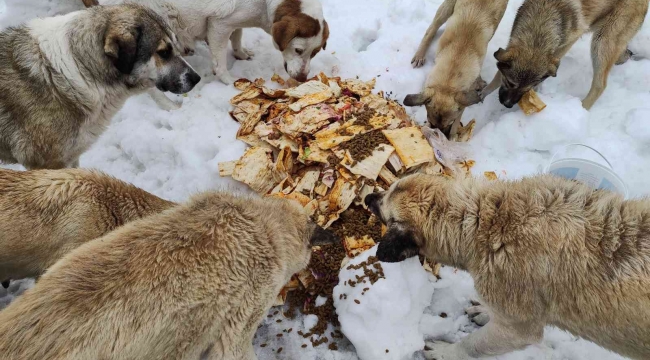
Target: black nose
5	284
192	78
301	77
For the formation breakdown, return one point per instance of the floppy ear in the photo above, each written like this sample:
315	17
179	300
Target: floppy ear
322	237
283	32
468	98
503	59
553	65
326	34
415	99
121	46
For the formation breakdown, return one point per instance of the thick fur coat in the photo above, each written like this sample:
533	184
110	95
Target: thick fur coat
542	251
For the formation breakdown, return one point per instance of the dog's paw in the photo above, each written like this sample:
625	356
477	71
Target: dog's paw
188	51
440	350
625	56
479	84
478	314
224	76
243	54
418	60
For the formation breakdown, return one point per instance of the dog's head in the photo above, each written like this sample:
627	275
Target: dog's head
443	107
405	210
141	46
299	36
521	70
300	232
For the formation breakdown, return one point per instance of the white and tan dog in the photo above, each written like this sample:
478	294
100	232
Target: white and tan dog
63	78
190	283
297	26
542	251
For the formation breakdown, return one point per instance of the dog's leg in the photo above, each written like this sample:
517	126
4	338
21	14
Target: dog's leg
163	101
498	337
493	85
442	15
608	43
239	52
218	40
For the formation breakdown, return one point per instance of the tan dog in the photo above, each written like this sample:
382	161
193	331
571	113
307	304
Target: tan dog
455	80
45	214
542	251
545	30
190	283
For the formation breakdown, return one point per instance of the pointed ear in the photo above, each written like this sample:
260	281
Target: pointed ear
283	32
553	65
468	98
121	46
322	237
415	99
326	34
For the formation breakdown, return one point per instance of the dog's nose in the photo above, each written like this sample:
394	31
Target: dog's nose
192	78
301	77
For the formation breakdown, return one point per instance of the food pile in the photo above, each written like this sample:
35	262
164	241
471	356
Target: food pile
327	143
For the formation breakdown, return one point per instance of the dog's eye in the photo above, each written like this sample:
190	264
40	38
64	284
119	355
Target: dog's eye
165	54
299	51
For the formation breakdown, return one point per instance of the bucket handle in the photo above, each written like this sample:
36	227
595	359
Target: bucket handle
583	145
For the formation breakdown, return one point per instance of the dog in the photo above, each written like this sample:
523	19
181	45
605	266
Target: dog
455	80
542	251
545	30
45	214
63	78
192	282
297	27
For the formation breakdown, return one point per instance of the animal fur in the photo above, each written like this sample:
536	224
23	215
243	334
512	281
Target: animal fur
190	283
45	214
297	26
545	30
63	78
542	251
455	80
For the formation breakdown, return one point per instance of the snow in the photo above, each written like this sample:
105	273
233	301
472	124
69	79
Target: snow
175	154
383	322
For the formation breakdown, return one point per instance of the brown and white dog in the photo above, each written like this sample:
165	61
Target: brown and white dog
297	26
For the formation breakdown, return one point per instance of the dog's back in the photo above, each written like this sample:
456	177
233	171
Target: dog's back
44	214
585	259
191	281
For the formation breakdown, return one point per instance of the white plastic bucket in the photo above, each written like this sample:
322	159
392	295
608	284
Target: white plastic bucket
586	171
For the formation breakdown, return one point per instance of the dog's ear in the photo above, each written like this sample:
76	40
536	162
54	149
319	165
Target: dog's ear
283	32
468	98
326	34
416	99
503	59
322	237
553	65
121	46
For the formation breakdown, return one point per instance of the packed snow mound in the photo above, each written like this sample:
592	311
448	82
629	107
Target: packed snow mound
382	320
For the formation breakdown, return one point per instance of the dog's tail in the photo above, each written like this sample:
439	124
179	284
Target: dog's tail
90	3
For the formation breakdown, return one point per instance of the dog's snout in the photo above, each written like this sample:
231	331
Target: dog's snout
301	77
192	78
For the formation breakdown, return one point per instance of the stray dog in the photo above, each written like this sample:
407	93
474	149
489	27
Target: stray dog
297	26
545	30
542	251
192	282
45	214
455	80
63	78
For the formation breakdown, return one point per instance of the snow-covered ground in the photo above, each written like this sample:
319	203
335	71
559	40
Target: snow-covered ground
175	154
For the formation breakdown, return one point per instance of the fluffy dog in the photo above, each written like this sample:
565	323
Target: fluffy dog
297	26
455	80
190	283
63	78
45	214
542	251
545	30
